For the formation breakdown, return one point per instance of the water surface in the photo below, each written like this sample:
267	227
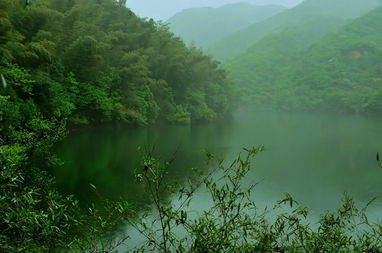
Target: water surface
314	157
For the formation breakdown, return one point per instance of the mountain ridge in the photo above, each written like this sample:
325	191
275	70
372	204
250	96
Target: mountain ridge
339	73
238	42
207	25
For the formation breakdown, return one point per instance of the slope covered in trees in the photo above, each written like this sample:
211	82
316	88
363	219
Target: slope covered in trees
84	62
93	61
263	69
237	43
204	26
340	73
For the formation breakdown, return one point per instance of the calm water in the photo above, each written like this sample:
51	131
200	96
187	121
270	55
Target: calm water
316	158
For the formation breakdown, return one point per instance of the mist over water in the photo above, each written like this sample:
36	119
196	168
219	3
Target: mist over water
317	158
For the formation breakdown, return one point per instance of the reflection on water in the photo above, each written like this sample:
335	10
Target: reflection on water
316	158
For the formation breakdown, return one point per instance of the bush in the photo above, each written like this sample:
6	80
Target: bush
233	223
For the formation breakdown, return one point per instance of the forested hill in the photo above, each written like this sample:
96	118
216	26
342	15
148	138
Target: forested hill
341	73
84	62
204	26
237	43
263	69
95	61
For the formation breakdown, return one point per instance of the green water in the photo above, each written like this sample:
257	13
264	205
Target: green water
316	158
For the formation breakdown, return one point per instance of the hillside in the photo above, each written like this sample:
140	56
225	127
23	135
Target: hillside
119	67
65	64
237	43
341	73
204	26
265	65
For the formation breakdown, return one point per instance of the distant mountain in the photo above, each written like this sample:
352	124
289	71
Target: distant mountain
237	43
204	26
264	68
163	10
341	73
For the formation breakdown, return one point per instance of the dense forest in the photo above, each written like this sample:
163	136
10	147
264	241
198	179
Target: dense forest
96	62
338	73
70	63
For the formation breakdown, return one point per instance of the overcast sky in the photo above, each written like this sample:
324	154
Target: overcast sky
164	9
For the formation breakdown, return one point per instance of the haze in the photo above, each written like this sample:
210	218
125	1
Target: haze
220	126
162	10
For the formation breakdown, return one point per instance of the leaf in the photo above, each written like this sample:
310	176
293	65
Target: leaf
371	202
3	81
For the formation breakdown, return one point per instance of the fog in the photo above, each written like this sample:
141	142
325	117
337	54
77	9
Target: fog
162	10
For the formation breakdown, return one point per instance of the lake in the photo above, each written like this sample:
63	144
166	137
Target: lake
314	157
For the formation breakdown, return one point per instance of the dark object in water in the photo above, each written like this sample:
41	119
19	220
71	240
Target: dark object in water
378	157
27	2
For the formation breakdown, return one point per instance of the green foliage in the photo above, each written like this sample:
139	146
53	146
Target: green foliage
115	61
339	73
239	42
34	216
83	62
264	69
233	222
91	62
